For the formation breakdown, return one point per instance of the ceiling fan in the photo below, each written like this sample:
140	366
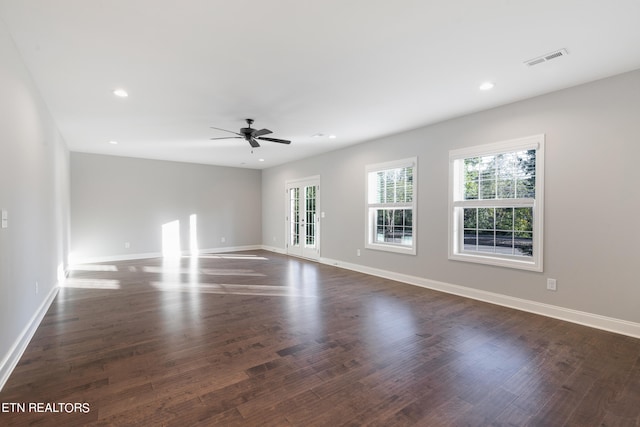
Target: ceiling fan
252	135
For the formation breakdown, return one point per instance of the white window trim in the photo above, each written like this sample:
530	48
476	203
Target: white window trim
389	247
534	263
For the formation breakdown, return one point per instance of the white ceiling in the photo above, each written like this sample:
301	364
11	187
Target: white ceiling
358	69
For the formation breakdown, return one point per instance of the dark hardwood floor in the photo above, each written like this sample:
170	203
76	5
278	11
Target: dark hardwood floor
257	338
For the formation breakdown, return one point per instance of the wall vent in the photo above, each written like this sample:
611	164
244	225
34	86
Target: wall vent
547	57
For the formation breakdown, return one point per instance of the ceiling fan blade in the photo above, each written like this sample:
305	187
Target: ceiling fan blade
230	131
281	141
227	137
261	132
254	143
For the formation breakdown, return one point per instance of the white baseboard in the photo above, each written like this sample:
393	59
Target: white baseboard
131	257
11	359
580	317
274	249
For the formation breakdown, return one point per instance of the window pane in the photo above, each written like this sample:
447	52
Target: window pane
401	182
526	188
494	230
527	162
471	190
409	185
471	169
394	226
487	168
398	218
526	173
503	176
486	241
504	242
470	240
504	218
523	244
488	189
506	172
486	218
470	218
380	187
523	219
389	187
394	185
471	178
506	189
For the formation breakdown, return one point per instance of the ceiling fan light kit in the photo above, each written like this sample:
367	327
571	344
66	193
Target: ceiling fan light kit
251	135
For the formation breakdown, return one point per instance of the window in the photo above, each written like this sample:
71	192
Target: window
391	206
496	203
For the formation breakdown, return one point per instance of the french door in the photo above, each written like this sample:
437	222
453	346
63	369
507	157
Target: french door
303	225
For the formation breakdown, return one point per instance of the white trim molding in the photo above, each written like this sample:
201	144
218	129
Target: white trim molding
597	321
458	203
373	205
11	359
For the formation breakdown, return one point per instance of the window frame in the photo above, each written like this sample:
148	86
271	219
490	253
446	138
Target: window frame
457	204
370	208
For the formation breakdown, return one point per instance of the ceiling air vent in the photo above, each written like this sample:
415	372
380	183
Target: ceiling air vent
547	57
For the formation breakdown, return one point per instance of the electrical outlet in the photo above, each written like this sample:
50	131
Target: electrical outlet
552	285
127	245
358	252
223	239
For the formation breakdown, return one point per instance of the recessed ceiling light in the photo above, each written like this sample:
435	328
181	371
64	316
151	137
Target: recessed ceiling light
486	86
332	137
261	160
113	142
121	93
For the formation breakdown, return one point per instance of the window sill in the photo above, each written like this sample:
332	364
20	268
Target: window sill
391	248
487	259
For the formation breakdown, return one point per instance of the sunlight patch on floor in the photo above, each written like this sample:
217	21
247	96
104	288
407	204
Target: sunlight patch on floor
91	283
231	289
93	267
233	256
230	272
206	271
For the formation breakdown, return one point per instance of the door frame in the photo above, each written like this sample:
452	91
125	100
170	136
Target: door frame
313	254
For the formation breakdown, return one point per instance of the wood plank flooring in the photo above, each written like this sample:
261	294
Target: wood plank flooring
257	338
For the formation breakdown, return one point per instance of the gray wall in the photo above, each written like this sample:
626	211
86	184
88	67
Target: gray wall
592	198
34	183
120	199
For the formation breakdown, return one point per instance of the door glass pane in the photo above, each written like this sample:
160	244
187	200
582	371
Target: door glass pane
310	205
294	214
